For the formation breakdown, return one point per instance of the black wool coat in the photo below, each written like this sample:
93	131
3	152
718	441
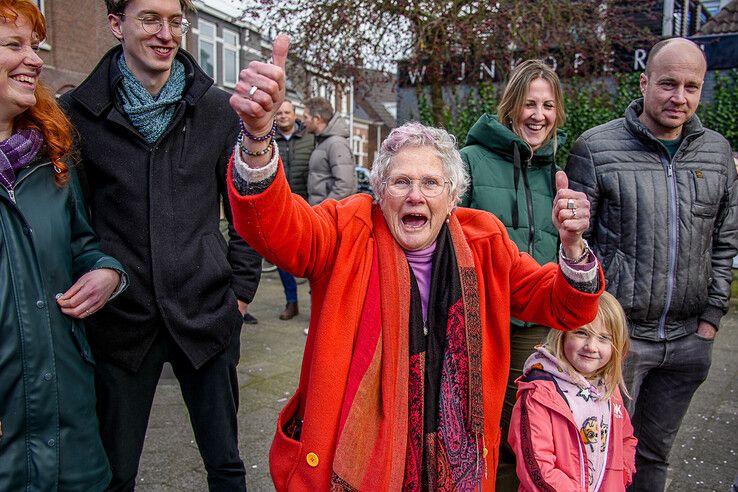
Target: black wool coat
156	207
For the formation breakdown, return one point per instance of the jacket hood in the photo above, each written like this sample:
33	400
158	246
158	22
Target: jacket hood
488	132
543	361
336	127
692	128
97	91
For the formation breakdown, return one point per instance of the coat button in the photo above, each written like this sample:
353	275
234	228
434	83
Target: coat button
47	376
312	459
51	443
27	231
40	304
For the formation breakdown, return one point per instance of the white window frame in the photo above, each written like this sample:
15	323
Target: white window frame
235	50
214	41
357	148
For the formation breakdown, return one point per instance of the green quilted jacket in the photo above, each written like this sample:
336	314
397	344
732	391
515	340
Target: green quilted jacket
517	189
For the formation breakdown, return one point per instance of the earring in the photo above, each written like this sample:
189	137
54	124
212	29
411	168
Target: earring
448	218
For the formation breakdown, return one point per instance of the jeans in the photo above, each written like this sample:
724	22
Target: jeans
210	394
289	284
661	378
522	344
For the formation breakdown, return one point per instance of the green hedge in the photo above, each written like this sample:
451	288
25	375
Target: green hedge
588	104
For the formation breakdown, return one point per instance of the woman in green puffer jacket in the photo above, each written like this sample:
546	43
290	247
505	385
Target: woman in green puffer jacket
511	161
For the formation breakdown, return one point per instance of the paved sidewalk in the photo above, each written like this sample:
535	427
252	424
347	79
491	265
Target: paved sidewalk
704	456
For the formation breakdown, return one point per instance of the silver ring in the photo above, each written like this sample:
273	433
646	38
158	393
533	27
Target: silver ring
87	311
573	213
570	204
252	91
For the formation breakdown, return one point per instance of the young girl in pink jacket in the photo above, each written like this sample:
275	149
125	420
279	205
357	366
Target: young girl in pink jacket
569	428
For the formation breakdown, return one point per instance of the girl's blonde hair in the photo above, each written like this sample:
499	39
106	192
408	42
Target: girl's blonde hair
516	91
613	319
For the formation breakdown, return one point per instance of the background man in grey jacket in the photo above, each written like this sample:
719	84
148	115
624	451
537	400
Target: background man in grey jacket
332	172
663	198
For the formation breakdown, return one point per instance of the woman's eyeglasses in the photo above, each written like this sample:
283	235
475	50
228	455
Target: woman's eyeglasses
430	186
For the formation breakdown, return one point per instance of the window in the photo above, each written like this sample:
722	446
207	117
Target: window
206	46
40	5
230	58
357	147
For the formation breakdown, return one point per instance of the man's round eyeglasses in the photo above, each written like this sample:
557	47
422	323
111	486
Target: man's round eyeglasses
152	24
430	186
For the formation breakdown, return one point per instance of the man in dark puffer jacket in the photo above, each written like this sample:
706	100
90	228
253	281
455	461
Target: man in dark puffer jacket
664	223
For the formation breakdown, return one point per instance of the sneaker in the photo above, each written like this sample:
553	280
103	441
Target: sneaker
249	320
290	311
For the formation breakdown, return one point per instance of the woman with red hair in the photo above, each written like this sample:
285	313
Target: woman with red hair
52	274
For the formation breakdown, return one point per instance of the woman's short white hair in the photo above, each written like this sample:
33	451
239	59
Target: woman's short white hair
414	134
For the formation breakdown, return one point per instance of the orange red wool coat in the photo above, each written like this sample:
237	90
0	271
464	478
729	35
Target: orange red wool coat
332	245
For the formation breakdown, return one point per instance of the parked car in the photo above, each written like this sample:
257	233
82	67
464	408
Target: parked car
363	184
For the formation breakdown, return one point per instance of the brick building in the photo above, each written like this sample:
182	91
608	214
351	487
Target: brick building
77	37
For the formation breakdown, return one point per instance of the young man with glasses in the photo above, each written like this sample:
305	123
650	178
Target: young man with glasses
155	138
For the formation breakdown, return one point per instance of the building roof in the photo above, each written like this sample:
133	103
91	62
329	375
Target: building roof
233	11
726	21
373	91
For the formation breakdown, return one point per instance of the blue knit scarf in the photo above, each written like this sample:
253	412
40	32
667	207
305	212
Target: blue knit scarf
151	115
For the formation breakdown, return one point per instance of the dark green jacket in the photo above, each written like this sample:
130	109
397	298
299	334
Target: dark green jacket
295	154
519	191
50	438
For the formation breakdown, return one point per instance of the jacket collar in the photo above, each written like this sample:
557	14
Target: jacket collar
299	131
692	128
97	91
488	132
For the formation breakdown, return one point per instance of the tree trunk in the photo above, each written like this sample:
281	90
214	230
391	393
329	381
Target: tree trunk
436	98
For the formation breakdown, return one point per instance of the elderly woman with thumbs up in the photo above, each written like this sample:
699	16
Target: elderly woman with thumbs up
406	360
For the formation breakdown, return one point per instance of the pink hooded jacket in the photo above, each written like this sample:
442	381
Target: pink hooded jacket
550	456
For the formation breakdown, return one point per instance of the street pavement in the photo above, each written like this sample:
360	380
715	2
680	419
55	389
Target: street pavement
703	459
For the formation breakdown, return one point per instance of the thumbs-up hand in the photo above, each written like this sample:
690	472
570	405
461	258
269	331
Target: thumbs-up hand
260	89
570	216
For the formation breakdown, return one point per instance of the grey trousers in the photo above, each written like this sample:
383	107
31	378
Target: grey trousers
661	378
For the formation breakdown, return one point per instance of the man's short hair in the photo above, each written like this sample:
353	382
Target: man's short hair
319	106
661	45
118	6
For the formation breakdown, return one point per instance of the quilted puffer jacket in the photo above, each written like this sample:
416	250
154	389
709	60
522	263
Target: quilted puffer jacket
665	229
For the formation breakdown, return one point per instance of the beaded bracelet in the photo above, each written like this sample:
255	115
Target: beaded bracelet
254	138
575	260
257	153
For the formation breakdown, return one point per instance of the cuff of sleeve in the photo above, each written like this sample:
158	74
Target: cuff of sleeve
712	315
580	272
252	181
122	283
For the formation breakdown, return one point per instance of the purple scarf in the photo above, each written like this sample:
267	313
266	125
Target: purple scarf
16	152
